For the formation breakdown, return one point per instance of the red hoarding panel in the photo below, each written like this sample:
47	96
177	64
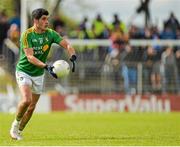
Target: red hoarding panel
115	102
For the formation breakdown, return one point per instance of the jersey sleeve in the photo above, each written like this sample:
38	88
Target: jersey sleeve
56	37
26	41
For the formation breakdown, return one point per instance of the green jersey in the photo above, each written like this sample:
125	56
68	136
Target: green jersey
41	44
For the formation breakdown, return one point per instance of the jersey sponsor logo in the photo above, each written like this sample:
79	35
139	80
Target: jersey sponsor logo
40	49
34	40
45	47
38	52
36	48
41	40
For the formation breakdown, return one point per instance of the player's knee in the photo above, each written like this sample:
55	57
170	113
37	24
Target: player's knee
26	102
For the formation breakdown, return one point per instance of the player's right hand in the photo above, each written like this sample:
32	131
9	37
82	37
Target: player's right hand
49	68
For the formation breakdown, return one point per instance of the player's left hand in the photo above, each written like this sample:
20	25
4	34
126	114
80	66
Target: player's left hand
49	68
73	59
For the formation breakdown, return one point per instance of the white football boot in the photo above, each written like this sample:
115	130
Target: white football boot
14	131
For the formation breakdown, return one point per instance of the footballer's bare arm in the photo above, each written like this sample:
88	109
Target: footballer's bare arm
32	59
66	45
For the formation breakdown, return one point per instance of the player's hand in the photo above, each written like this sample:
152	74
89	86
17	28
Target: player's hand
73	59
49	68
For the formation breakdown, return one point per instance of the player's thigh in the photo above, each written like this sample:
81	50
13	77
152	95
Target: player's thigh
24	82
26	92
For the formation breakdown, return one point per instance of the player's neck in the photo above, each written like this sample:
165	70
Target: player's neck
37	30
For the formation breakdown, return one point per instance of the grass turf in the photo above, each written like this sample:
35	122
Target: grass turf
98	129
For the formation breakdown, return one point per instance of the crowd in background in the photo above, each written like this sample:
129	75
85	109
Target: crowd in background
161	63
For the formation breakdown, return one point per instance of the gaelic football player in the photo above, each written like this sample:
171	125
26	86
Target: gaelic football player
35	44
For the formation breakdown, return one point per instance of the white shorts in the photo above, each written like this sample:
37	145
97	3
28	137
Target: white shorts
36	83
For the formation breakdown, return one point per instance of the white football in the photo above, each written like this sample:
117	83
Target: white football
61	68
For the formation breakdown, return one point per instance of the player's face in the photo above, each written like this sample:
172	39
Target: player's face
43	23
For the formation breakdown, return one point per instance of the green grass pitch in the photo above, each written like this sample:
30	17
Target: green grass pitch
100	129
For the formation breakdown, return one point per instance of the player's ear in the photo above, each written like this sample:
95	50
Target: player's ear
35	20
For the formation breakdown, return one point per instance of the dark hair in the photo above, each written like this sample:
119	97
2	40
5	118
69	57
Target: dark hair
38	13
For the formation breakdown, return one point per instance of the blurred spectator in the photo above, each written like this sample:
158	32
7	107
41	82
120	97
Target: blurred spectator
15	20
134	32
14	34
4	26
117	23
129	70
155	32
100	28
113	60
83	24
58	25
149	60
84	29
167	33
169	70
172	23
156	36
156	70
117	35
147	33
11	47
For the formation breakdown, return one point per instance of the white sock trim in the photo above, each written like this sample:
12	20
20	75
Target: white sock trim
16	122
